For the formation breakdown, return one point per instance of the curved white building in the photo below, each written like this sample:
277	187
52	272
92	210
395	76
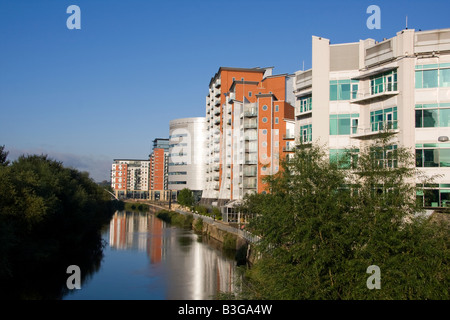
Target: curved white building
187	151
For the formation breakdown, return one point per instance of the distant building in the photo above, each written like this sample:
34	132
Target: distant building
159	164
187	153
130	178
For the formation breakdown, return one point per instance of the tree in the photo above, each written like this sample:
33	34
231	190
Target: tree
186	198
322	226
3	156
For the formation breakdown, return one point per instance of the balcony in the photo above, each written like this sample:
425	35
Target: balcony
217	83
381	91
250	172
216	111
251	113
288	136
250	125
251	150
289	148
217	121
217	93
216	167
250	184
215	186
251	138
217	103
368	133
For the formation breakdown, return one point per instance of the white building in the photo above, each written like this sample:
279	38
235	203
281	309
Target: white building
187	153
402	82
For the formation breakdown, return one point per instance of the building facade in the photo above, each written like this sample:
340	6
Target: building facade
402	83
187	150
249	129
159	170
130	178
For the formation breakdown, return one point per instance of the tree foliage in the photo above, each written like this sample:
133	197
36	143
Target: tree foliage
322	227
186	198
47	213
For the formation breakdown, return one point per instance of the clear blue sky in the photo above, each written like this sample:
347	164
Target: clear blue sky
106	91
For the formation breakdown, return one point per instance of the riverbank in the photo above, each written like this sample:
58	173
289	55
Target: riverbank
231	238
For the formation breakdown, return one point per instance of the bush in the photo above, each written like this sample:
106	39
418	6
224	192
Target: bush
229	242
198	225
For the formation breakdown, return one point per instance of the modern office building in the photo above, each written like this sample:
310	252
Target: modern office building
159	169
354	90
249	129
187	151
130	178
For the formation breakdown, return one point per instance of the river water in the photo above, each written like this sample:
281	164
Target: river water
146	258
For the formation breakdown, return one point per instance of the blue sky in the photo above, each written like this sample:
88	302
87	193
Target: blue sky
86	97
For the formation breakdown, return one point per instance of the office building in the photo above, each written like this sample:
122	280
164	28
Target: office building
355	90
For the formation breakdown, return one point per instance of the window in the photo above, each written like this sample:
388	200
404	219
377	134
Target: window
276	120
383	119
345	159
264	120
305	103
385	82
276	108
249	93
264	132
343	124
433	115
306	133
433	76
343	89
264	108
432	155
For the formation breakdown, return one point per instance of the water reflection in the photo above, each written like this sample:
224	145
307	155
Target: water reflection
178	264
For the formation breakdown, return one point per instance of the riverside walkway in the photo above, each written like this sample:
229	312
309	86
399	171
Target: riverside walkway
219	224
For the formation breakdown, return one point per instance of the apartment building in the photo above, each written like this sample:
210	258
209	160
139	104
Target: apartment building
159	169
249	129
187	150
130	178
402	83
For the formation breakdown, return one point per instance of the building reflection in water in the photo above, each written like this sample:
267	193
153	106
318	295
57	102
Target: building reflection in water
192	269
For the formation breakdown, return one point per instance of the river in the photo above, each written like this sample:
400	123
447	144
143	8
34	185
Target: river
146	258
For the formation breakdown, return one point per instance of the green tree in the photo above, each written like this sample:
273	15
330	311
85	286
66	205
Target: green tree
186	198
3	156
322	227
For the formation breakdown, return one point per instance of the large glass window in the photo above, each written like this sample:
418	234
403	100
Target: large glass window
343	89
306	133
343	124
345	159
385	82
432	76
432	115
434	195
383	119
433	155
444	78
305	104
